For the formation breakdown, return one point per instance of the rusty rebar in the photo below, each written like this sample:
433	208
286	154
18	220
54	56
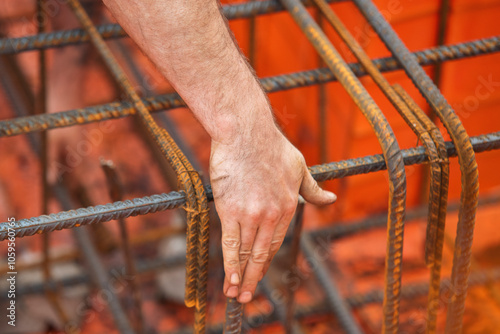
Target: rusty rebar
437	248
436	193
289	321
173	200
280	308
101	279
355	301
337	304
283	82
116	194
234	316
111	31
197	208
405	113
468	165
391	153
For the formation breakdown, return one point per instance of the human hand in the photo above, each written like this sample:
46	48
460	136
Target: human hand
256	183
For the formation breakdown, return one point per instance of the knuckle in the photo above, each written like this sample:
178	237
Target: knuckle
273	214
231	263
260	257
244	255
254	215
231	243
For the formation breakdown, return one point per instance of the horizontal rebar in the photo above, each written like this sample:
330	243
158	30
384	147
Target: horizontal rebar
359	300
114	110
112	30
172	200
330	233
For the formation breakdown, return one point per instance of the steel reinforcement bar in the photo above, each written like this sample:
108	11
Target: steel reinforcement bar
110	31
161	202
114	110
466	158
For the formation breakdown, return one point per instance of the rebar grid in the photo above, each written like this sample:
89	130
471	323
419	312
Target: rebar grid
435	152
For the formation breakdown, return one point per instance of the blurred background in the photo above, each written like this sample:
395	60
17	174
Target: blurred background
322	121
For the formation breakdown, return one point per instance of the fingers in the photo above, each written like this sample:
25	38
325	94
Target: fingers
279	236
247	234
231	252
258	259
312	193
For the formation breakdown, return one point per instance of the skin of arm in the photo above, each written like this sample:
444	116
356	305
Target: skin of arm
256	174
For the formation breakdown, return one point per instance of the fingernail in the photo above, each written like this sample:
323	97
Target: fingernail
245	297
333	197
235	279
232	292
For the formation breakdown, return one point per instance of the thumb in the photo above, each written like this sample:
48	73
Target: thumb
312	193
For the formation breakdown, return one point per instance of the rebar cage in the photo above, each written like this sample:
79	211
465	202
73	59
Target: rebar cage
194	196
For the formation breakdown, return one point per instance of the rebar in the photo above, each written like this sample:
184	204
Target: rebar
355	301
111	31
441	198
234	316
280	309
468	165
335	301
288	320
116	194
116	110
198	225
173	200
101	279
390	148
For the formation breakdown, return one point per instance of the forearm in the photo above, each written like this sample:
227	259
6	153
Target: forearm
189	42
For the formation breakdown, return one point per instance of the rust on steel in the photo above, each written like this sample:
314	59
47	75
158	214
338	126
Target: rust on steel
437	248
234	316
391	153
289	321
438	178
62	38
282	82
196	205
466	158
403	110
116	194
160	202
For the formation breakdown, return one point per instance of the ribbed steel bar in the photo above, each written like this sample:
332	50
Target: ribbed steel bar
234	316
437	248
468	165
390	149
101	279
283	82
116	194
406	113
110	31
410	291
280	308
173	200
288	320
332	232
335	301
197	209
437	192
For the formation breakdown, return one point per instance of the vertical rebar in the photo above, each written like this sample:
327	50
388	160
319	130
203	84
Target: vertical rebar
294	254
335	301
197	207
234	316
437	248
392	155
466	157
116	194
